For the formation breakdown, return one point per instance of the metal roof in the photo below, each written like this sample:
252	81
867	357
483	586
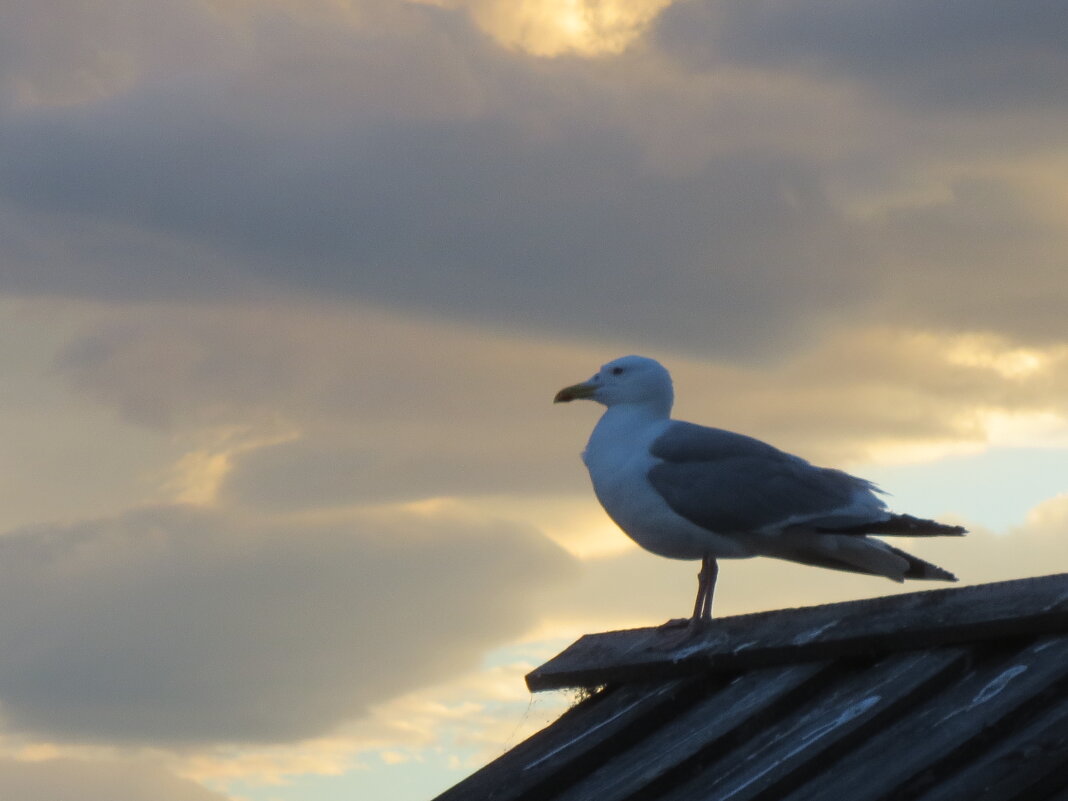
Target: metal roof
940	695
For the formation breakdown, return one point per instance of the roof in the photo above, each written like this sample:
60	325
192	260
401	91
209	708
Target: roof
939	695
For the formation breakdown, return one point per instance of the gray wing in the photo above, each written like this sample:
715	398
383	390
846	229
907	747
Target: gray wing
729	482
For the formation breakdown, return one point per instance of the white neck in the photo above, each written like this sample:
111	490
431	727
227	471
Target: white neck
656	409
621	423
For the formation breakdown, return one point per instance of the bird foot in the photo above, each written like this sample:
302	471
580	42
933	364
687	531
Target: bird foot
675	623
679	631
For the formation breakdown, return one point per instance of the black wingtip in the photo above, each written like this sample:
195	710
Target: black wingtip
902	526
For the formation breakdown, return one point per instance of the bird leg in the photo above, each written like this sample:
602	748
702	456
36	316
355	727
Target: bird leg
706	588
688	627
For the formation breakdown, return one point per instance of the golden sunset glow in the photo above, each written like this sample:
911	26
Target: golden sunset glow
561	27
198	475
987	352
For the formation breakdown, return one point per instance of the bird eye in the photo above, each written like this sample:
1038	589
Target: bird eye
617	371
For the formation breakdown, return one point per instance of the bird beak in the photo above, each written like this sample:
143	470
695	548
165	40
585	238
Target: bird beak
575	392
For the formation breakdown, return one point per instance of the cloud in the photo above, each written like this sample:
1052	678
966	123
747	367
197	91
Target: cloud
53	779
174	625
400	156
464	217
553	27
957	55
1048	519
1037	547
368	406
313	406
328	472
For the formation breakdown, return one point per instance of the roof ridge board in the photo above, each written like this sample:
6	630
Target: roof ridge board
1022	607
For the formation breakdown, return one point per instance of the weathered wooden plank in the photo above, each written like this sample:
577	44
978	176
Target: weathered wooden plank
904	760
860	702
915	620
1030	764
744	702
571	746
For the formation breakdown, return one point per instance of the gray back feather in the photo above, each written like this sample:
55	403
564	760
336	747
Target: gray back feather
731	483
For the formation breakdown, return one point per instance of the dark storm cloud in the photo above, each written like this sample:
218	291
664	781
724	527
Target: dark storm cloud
969	55
172	625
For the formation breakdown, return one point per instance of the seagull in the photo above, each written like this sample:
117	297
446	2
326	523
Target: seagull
685	491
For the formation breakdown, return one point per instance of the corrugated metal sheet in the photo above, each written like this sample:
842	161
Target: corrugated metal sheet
951	694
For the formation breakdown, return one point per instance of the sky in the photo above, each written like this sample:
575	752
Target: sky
287	288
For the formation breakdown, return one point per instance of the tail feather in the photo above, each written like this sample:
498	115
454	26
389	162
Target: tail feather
919	569
855	555
902	526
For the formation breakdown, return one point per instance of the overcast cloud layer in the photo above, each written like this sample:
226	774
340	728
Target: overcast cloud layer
54	779
335	407
172	624
702	190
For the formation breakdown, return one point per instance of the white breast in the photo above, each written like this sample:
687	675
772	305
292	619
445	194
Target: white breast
618	459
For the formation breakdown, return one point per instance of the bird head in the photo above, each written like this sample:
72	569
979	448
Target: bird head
627	380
